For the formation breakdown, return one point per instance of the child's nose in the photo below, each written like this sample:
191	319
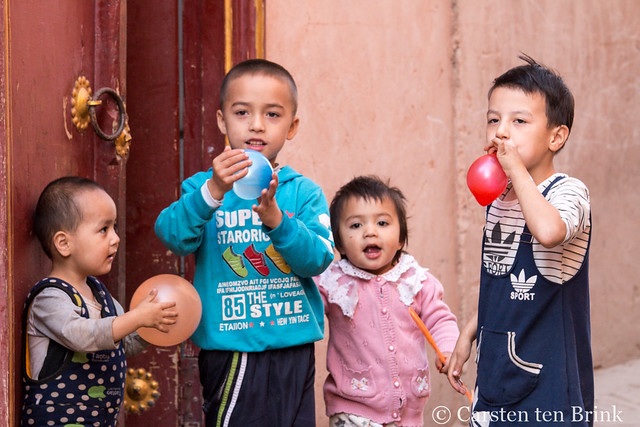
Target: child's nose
257	124
369	230
502	131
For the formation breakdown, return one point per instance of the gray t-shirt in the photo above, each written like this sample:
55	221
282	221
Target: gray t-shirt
53	315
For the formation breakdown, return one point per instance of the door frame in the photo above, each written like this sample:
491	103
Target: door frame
7	364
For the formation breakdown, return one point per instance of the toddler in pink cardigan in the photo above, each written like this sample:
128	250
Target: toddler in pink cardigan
377	357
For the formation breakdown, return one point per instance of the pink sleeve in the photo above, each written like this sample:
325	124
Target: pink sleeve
437	315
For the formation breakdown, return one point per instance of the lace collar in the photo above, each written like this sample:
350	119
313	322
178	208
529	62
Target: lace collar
342	278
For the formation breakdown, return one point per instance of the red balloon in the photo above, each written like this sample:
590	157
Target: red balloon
188	305
486	179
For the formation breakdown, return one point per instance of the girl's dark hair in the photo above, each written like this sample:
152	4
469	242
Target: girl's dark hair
534	77
368	188
57	209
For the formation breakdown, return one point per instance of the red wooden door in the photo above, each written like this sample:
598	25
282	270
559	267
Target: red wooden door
46	46
165	60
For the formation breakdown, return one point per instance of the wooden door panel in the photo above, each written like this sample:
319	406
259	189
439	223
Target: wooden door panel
43	143
47	46
173	138
171	141
153	176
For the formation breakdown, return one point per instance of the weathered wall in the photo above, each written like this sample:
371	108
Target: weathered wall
398	88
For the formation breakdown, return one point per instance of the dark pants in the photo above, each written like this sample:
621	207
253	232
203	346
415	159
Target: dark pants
270	388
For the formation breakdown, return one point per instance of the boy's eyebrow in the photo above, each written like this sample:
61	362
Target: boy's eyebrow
245	104
524	112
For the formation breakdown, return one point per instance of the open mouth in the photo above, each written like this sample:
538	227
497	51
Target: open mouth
372	251
256	144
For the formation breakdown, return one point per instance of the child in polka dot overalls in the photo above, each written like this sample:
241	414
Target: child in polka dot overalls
76	334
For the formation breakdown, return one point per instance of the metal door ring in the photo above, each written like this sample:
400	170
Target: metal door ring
121	113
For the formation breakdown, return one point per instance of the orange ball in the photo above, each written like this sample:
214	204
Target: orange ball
188	305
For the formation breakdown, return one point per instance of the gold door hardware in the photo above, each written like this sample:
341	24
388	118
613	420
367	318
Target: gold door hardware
140	391
83	108
123	141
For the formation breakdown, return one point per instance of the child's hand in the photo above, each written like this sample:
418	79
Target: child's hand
506	153
443	367
148	313
228	167
455	363
267	208
155	314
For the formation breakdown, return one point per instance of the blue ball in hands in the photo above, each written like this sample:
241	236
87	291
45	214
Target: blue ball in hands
257	179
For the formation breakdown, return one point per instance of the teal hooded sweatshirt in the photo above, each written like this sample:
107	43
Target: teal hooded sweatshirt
255	283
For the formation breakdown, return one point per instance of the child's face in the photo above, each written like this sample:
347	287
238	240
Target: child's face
258	114
95	241
370	233
521	118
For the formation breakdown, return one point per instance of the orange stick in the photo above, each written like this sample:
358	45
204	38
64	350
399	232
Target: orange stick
431	341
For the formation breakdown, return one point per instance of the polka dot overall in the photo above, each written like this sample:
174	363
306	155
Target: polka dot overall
87	388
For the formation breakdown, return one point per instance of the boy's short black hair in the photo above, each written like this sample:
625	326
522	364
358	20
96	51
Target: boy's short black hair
368	188
534	77
58	210
260	66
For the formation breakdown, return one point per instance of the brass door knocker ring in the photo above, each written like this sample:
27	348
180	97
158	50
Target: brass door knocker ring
83	108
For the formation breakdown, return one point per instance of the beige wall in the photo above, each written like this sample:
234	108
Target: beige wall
398	88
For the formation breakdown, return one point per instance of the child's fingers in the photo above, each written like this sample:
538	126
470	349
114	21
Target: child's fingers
454	381
444	366
270	191
231	165
169	314
168	304
170	320
458	385
151	296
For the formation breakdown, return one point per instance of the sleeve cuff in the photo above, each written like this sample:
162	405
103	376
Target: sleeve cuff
208	198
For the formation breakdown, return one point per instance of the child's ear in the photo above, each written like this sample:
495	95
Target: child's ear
293	129
558	138
338	254
62	243
221	124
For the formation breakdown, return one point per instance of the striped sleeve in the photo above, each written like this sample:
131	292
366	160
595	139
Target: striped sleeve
571	197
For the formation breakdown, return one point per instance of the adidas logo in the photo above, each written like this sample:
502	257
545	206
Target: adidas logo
496	250
522	286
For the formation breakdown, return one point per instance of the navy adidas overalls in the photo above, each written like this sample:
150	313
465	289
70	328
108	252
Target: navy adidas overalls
534	346
75	388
